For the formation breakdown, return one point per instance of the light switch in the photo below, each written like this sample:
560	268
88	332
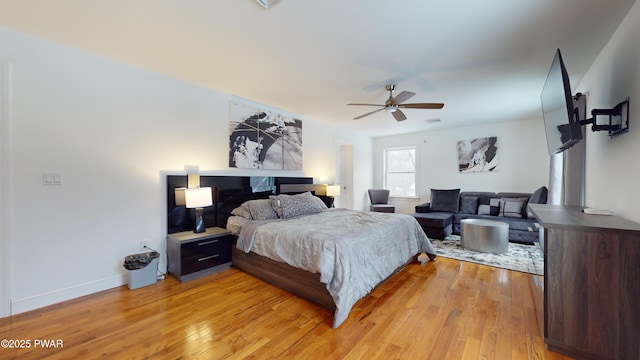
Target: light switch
51	178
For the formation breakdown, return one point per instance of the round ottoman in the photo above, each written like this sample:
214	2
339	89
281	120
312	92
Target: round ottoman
482	235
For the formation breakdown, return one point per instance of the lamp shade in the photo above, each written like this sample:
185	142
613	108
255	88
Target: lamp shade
198	197
333	190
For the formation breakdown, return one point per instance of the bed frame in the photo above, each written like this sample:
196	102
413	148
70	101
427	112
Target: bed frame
299	282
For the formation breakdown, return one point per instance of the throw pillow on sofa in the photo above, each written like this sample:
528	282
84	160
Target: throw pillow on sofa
445	200
468	204
539	196
511	208
488	206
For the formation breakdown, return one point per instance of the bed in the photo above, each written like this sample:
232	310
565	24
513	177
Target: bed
332	257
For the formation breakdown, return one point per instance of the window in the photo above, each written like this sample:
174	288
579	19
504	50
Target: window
400	171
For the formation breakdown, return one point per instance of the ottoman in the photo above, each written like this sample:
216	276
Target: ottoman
482	235
437	225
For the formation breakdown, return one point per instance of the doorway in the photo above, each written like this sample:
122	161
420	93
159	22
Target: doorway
344	175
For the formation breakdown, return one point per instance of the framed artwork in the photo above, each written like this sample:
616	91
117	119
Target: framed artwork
263	139
478	155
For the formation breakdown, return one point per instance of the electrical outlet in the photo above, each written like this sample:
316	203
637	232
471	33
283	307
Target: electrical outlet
144	244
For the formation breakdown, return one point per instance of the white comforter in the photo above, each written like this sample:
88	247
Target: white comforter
353	251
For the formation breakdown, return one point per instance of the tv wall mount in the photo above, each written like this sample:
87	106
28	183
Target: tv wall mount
617	122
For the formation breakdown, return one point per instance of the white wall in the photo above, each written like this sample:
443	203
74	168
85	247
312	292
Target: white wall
113	131
612	171
523	163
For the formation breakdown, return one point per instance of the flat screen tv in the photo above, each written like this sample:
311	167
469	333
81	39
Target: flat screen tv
561	118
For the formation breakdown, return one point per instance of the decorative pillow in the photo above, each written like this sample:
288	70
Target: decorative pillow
261	209
288	206
276	203
503	201
488	206
511	208
242	212
320	202
468	204
445	200
539	196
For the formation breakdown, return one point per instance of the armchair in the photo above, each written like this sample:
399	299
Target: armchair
379	201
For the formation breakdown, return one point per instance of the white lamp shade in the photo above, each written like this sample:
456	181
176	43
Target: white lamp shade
198	198
333	190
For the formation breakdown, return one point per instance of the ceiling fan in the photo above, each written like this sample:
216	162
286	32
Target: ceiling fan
393	104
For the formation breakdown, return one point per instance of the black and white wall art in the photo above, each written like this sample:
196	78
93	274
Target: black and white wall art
477	155
263	139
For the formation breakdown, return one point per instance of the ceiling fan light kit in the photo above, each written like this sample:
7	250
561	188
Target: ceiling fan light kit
266	3
393	104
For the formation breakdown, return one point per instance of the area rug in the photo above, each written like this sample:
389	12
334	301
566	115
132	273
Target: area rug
523	258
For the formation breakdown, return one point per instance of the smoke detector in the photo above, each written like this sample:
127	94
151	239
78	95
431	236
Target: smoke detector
266	4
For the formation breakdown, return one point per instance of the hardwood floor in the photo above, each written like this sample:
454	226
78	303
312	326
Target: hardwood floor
445	309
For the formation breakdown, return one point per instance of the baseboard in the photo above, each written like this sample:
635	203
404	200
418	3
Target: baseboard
37	301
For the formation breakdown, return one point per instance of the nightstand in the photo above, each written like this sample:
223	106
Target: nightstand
192	255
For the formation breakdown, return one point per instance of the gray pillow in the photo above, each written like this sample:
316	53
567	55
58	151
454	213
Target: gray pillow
539	196
523	206
511	208
261	209
468	204
241	211
445	200
488	206
288	206
320	202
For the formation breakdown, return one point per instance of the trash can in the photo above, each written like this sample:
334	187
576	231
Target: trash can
143	269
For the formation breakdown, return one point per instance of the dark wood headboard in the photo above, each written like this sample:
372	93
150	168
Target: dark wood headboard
316	189
228	193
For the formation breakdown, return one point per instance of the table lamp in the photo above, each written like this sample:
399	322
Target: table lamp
198	199
333	190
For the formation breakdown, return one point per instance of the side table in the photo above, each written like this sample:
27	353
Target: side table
192	255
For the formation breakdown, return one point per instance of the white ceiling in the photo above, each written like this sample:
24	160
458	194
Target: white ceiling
486	60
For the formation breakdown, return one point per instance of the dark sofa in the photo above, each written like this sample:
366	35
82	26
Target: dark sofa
441	217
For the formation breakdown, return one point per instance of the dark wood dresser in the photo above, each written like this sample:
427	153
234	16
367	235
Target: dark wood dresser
191	255
591	283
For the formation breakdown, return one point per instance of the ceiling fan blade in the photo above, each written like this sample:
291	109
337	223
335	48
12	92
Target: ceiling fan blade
403	96
367	114
399	115
366	104
393	104
422	106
